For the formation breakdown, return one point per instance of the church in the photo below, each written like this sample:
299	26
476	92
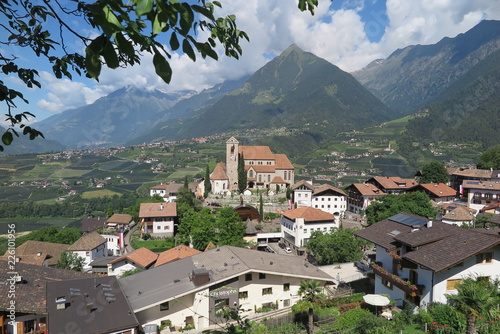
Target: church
265	170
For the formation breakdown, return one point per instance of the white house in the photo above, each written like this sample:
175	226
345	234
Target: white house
297	225
114	242
142	258
89	247
330	199
193	290
418	261
481	193
302	193
361	195
158	219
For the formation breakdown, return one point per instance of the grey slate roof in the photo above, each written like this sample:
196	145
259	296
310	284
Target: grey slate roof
93	305
30	295
173	279
438	248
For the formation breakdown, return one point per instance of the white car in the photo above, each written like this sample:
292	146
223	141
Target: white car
288	250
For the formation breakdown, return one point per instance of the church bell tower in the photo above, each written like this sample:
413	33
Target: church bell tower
232	163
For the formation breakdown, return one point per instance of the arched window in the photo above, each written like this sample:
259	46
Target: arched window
268	178
260	178
250	173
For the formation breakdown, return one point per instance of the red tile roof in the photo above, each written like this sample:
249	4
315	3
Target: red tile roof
393	182
149	210
142	256
219	172
120	218
309	214
176	253
483	185
326	188
367	189
437	189
88	242
256	152
282	162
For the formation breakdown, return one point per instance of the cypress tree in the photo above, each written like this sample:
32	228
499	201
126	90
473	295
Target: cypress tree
208	185
242	174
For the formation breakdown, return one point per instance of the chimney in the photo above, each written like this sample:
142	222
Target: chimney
429	223
161	206
200	276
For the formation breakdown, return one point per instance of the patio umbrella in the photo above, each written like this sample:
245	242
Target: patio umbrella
376	300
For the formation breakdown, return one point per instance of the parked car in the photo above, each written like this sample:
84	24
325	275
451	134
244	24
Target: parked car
288	250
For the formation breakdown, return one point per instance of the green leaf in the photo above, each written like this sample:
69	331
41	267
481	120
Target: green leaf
110	56
174	42
187	49
111	17
7	138
203	11
143	7
162	67
158	24
92	63
123	44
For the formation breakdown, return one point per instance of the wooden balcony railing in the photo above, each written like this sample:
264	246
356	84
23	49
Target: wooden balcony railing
402	284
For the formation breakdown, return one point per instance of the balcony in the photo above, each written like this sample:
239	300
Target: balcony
400	283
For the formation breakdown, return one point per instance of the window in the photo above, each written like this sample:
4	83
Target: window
484	258
165	227
220	304
262	276
305	230
243	294
286	287
387	283
286	302
452	283
164	306
267	291
248	277
87	253
158	227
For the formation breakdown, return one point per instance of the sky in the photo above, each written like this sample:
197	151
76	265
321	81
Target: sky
348	33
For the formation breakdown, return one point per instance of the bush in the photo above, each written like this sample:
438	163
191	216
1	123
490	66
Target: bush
351	319
443	318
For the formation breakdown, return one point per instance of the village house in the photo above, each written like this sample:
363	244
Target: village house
481	193
141	259
169	190
39	253
457	215
460	174
194	290
320	196
297	225
392	184
158	219
437	192
265	170
360	195
30	295
120	221
90	246
88	306
418	261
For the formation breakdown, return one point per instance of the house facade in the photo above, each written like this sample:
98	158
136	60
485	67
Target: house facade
481	194
120	221
89	247
419	261
297	225
360	195
265	170
158	219
193	290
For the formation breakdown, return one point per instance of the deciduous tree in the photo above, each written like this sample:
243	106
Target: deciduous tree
119	34
70	261
417	203
434	172
337	246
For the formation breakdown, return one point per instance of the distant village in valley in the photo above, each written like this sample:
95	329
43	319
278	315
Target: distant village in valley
246	235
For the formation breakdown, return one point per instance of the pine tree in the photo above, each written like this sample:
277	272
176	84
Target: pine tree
208	185
242	174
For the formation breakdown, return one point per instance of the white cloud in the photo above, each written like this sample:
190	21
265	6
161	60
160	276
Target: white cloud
339	36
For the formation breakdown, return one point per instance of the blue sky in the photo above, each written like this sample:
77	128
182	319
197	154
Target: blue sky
348	33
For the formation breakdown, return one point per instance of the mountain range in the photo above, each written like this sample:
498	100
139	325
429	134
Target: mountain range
298	90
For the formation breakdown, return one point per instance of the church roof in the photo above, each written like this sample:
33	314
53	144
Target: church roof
256	152
282	162
219	172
